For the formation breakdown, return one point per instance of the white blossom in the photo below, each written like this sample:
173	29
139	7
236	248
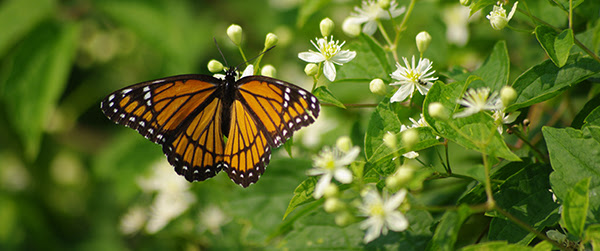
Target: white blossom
370	11
330	53
478	100
411	77
382	213
498	18
331	163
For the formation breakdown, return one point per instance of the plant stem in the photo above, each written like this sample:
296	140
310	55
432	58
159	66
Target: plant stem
491	203
520	135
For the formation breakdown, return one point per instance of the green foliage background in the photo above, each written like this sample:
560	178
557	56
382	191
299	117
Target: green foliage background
68	174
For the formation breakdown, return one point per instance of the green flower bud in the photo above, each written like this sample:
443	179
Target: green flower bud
389	140
344	143
351	27
384	4
378	87
271	40
268	70
438	111
507	95
410	137
215	66
326	26
465	2
333	205
311	69
344	219
423	40
235	34
331	191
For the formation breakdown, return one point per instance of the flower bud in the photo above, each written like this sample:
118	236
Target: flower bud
410	137
423	40
344	143
378	87
268	70
344	219
384	4
331	191
389	140
333	205
215	66
507	95
438	111
234	32
311	69
271	40
351	27
326	26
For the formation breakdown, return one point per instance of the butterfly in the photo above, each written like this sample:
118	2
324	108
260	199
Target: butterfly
206	124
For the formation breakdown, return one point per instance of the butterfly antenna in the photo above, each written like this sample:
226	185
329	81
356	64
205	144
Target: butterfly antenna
220	52
259	54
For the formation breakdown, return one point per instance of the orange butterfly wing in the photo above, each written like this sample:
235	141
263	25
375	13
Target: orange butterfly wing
265	114
182	114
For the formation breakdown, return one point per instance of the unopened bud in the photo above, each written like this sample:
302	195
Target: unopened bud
344	143
344	218
311	69
331	191
326	26
410	137
384	4
268	70
271	40
423	40
465	2
438	111
351	27
389	139
215	66
378	87
333	205
507	95
234	32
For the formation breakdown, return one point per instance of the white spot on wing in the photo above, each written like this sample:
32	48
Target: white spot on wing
147	96
126	91
111	97
146	89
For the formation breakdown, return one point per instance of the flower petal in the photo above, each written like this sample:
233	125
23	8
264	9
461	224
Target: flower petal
323	182
343	175
395	201
370	27
396	221
329	70
402	93
311	57
344	56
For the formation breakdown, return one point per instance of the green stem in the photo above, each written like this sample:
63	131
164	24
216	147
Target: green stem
537	151
243	55
488	183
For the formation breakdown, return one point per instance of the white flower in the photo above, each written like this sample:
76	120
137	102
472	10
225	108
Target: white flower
249	71
331	163
330	52
456	18
501	118
212	218
382	213
173	196
133	220
412	77
370	12
498	18
478	100
411	155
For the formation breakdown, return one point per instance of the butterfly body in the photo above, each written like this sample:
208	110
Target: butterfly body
206	124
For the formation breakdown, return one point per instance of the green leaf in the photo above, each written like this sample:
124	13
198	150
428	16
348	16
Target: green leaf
18	17
371	62
302	194
36	74
325	95
576	206
318	231
309	8
593	118
526	196
557	46
494	70
500	174
545	81
574	155
447	230
496	246
585	114
477	132
480	4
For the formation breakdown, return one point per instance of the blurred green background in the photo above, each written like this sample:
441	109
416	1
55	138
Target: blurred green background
70	179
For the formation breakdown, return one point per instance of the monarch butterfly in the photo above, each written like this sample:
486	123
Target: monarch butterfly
189	115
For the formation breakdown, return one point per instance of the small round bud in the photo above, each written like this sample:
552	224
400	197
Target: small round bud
311	69
507	95
423	40
378	87
326	26
438	111
344	143
331	191
392	182
268	70
271	40
215	66
384	4
344	219
234	32
351	27
404	174
333	205
389	140
465	2
410	137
